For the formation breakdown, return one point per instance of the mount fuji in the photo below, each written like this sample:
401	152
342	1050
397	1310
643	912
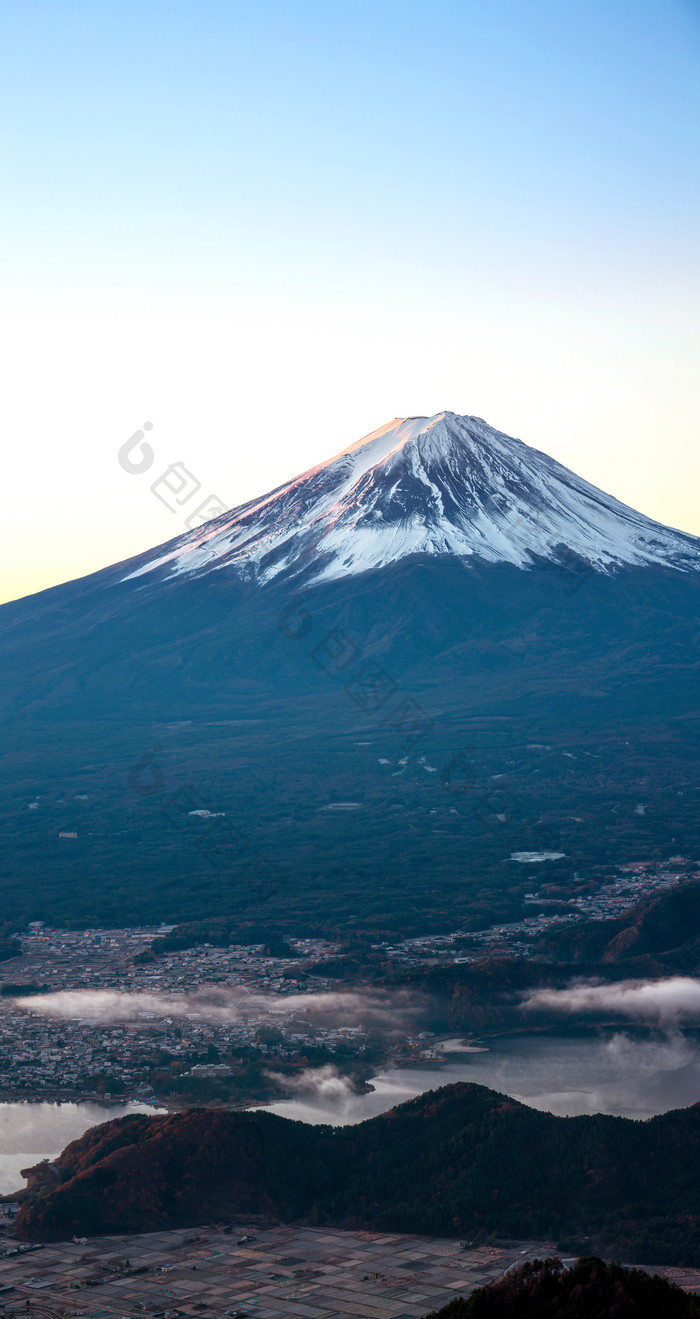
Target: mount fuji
543	635
442	485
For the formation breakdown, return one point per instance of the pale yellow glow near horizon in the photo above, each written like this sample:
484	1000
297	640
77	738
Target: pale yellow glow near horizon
247	400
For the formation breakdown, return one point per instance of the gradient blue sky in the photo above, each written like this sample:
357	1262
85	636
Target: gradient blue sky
270	228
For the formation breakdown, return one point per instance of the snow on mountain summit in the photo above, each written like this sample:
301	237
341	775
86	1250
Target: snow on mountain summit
443	485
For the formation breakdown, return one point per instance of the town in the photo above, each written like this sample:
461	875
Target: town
130	1025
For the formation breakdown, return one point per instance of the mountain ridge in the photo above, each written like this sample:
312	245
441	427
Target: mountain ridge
460	1160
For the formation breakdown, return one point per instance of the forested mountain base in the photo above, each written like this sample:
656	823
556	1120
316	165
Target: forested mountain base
541	720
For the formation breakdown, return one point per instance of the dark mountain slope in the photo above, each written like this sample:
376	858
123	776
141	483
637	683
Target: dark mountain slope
581	705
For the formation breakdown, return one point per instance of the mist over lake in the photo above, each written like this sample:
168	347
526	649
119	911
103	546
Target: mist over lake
629	1075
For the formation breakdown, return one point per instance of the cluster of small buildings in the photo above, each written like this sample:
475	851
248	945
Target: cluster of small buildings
635	880
112	1048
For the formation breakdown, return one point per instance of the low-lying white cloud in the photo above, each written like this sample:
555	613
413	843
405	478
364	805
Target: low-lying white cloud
322	1085
660	1001
222	1004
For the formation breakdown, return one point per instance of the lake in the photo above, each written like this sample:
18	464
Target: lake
632	1075
30	1132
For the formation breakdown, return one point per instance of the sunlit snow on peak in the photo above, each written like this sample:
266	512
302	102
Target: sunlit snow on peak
443	485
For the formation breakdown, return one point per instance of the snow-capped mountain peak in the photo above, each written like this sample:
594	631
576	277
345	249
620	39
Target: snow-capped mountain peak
442	485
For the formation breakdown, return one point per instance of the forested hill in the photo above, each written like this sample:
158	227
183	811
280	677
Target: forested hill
590	1289
462	1160
662	931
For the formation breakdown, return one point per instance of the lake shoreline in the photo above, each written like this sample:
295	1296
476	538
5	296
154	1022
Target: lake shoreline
636	1072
